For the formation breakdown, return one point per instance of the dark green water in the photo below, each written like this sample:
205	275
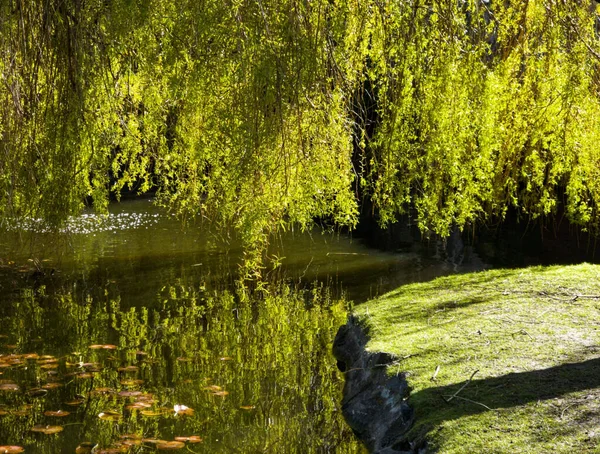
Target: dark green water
135	328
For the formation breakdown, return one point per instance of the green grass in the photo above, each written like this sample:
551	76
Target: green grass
532	335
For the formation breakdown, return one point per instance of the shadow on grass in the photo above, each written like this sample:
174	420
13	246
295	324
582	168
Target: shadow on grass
492	280
506	391
455	280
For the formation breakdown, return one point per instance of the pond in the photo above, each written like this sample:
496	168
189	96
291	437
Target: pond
126	333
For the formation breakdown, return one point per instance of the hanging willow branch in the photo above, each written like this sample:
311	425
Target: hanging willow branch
250	114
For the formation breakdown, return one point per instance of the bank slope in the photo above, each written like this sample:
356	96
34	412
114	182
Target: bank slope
498	361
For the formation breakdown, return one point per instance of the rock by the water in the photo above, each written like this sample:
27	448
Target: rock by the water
374	403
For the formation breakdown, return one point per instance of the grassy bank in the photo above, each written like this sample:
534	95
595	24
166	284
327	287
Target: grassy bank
504	361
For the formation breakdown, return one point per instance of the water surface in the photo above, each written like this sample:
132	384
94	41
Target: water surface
126	334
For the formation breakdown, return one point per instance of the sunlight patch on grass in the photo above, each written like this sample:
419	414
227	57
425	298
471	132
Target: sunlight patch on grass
530	340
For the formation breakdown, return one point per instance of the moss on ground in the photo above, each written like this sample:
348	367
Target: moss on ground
518	349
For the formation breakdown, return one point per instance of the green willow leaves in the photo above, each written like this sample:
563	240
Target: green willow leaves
487	106
253	114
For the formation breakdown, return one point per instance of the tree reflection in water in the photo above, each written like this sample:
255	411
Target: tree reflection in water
194	367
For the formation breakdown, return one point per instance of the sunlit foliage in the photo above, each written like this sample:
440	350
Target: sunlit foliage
247	113
486	106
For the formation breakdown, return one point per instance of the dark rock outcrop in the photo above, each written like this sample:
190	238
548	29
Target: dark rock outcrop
374	402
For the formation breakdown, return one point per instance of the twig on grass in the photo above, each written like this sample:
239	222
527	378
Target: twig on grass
437	369
474	402
461	388
562	300
522	331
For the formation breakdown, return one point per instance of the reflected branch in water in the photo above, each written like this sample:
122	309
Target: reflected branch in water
198	348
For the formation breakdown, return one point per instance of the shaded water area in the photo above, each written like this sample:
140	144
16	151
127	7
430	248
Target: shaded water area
127	334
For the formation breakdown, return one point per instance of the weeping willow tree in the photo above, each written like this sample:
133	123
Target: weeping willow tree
235	111
251	113
487	106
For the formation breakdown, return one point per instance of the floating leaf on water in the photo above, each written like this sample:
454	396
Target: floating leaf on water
9	387
130	393
47	430
74	403
138	406
84	375
110	415
103	347
58	413
37	392
46	360
151	413
190	439
24	410
147	397
85	448
153	441
171	445
131	442
183	410
128	369
11	449
247	407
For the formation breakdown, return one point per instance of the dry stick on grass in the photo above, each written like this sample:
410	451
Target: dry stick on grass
562	300
455	395
562	413
474	402
461	388
437	369
522	331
